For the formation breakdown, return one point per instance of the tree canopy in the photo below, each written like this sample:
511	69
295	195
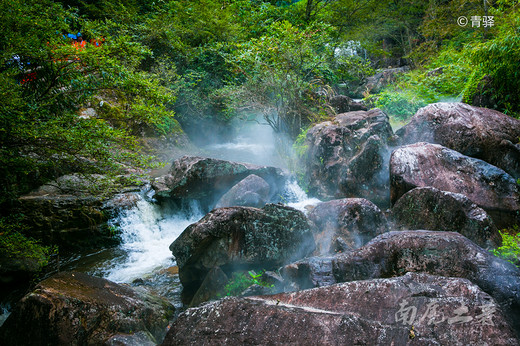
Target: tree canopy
148	68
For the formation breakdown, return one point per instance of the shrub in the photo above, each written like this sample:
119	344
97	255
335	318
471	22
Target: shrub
510	249
14	245
399	104
241	281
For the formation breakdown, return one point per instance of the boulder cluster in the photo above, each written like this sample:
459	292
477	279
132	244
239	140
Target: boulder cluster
398	252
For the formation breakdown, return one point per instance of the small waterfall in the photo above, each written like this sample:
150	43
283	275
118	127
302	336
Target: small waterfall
147	230
146	233
297	198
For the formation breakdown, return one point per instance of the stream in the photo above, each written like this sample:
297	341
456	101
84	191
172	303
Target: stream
143	258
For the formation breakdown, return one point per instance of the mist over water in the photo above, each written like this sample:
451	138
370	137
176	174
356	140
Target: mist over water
254	142
148	229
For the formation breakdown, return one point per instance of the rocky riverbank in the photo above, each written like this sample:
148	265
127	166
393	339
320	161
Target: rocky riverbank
398	251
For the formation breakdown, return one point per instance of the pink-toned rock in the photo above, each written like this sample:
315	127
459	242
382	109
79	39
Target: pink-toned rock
346	223
79	309
346	156
252	191
413	309
477	132
425	164
207	179
446	254
436	210
241	237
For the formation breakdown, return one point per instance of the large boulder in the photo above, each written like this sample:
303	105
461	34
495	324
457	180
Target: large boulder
425	164
241	238
78	309
432	209
447	254
252	191
207	179
347	223
66	212
477	132
346	156
412	309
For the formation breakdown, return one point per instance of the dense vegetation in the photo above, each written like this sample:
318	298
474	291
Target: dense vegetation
478	65
151	68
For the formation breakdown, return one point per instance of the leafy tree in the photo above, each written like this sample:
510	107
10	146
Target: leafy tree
287	75
46	79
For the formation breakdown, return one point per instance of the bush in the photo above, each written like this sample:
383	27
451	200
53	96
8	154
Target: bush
444	78
239	282
499	60
14	245
510	249
398	103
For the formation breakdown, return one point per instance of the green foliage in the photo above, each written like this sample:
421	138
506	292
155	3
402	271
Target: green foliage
241	281
299	146
401	104
14	245
164	61
352	69
41	134
510	249
445	77
287	73
499	59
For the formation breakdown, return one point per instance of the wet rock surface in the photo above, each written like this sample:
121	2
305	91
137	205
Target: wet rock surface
346	156
424	164
431	209
66	214
446	254
354	220
212	286
207	179
78	309
308	273
477	132
412	309
252	191
241	237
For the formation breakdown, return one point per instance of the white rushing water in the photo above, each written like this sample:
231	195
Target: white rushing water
147	230
146	234
297	198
